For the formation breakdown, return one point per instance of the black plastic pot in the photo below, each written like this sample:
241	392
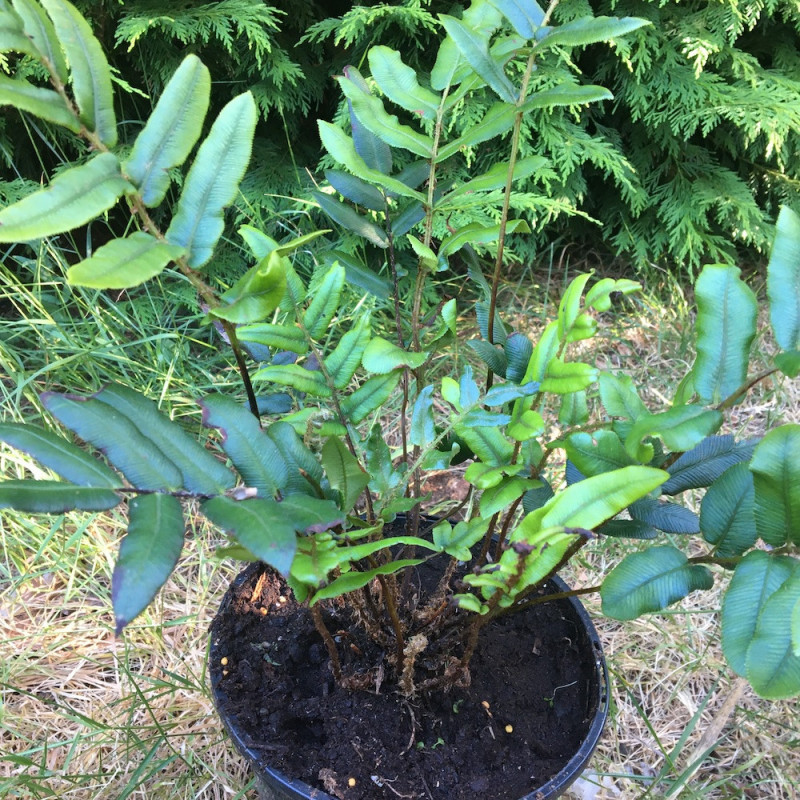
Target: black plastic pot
273	785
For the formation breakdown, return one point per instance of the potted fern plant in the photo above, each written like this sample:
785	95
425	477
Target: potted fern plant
380	610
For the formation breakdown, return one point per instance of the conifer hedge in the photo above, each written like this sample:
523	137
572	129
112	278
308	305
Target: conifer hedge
688	164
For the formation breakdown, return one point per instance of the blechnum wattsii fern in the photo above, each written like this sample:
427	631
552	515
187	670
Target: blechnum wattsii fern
408	27
252	46
54	34
310	492
556	134
696	152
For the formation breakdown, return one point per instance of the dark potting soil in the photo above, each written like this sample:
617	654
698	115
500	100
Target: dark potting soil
529	705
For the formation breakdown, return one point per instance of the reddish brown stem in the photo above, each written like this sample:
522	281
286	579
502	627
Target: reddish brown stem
330	644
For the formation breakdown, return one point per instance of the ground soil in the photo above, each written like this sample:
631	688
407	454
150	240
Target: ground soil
531	699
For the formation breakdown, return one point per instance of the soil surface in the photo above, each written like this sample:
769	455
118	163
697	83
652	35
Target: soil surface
530	702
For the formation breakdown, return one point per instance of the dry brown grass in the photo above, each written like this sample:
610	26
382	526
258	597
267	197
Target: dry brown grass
86	716
96	717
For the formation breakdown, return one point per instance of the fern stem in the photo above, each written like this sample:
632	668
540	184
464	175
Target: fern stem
391	608
208	295
546	598
330	645
236	347
428	236
745	388
512	162
398	322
